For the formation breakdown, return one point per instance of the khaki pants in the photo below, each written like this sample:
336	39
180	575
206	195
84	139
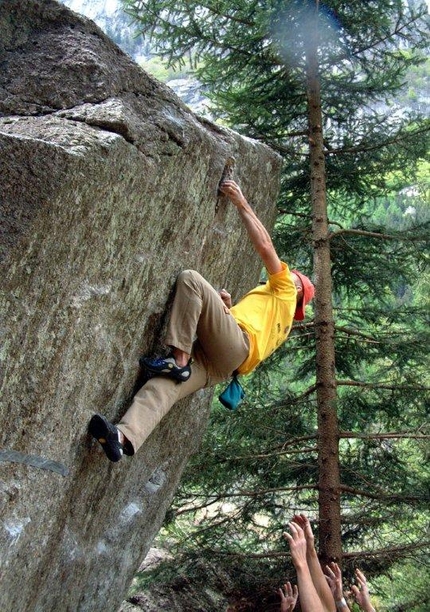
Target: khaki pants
220	348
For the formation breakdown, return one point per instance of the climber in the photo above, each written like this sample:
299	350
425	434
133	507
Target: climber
209	338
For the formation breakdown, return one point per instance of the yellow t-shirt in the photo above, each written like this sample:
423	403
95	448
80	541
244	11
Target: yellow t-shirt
266	313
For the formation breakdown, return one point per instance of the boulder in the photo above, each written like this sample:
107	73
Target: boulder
108	189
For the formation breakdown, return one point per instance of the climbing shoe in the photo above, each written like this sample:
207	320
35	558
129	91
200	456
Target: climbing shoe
166	367
108	436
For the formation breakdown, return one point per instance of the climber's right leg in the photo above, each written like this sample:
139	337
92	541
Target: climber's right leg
149	406
154	400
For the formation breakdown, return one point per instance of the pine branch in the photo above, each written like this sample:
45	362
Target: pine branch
364	233
399	139
269	455
261	492
298	440
282	211
234	19
353	332
280	449
387	552
397	31
296	400
296	134
211	499
186	509
258	493
380	496
385	436
218	523
247	555
381	552
364	385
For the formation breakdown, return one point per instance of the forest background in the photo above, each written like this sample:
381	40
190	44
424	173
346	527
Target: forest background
336	423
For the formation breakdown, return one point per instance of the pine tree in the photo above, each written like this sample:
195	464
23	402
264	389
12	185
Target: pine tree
316	82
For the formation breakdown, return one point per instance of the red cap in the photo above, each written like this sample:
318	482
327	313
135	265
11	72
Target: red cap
308	294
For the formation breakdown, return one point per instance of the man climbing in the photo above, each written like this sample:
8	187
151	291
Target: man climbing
209	338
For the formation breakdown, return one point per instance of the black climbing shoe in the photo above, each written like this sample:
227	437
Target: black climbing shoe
166	367
108	436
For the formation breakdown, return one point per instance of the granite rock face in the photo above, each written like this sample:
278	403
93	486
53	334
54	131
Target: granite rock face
108	188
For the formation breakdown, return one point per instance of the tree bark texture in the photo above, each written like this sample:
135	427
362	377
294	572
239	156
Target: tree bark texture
328	432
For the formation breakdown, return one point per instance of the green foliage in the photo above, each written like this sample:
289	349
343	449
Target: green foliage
411	577
160	71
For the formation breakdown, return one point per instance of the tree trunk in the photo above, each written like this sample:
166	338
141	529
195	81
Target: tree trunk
328	432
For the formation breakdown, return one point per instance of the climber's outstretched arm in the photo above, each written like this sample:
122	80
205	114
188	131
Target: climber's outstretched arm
257	233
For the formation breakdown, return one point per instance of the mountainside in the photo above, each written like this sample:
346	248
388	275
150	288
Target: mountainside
110	17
